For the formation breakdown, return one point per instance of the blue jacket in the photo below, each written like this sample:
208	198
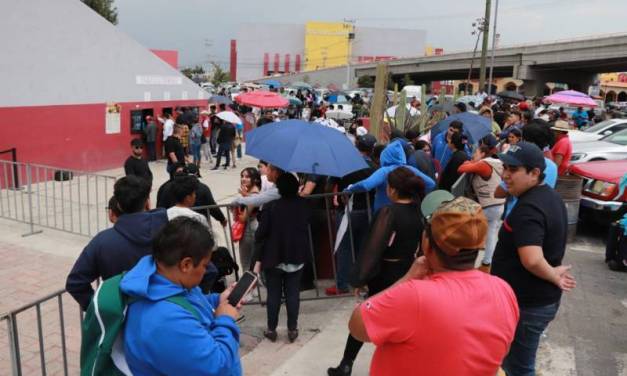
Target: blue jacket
162	338
393	156
113	251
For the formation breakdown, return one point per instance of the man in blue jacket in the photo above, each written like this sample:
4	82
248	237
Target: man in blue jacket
117	249
440	148
166	338
393	156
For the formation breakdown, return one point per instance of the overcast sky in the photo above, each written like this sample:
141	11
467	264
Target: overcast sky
201	29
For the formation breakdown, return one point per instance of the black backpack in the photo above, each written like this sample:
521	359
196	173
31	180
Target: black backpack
616	248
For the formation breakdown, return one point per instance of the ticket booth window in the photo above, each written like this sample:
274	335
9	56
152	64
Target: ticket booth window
138	119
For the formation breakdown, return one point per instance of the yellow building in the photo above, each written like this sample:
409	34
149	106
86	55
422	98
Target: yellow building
327	44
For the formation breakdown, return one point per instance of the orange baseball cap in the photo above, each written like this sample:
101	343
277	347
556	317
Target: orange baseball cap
457	224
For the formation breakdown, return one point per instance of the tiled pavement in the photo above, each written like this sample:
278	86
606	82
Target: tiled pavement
26	276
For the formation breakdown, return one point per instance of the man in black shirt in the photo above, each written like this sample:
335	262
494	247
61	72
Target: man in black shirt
134	164
529	252
174	149
225	141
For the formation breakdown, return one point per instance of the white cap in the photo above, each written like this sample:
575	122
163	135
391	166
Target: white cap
361	131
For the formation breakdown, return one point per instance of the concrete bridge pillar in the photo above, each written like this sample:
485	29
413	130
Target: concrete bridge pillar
535	79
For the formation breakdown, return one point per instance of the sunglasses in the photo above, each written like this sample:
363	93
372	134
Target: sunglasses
138	147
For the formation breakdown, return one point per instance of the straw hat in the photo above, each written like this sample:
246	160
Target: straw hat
561	126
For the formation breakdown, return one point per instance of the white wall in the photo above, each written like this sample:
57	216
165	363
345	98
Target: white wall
255	39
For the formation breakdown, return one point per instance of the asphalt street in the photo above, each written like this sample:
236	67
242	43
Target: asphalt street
589	336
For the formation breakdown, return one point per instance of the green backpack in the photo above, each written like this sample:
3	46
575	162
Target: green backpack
102	343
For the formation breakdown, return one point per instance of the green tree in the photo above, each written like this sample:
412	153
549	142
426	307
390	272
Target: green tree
219	75
105	8
192	72
365	81
406	81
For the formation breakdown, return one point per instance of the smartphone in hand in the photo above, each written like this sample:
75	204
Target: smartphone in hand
243	287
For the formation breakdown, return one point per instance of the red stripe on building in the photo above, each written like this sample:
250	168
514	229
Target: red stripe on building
287	63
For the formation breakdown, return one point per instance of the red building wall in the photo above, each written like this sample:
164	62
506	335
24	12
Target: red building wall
73	136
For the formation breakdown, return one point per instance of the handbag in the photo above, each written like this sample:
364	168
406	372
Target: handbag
237	228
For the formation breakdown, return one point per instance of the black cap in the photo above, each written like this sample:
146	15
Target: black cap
489	141
192	169
366	142
524	154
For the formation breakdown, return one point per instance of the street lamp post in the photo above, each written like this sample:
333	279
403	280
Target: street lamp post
478	30
496	14
484	46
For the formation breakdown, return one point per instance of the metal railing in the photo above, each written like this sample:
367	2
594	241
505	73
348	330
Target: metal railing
50	346
36	347
43	196
322	238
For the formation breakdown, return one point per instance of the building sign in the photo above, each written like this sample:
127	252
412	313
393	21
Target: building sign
112	118
158	80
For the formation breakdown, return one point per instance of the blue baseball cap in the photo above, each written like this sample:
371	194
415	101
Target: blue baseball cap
524	154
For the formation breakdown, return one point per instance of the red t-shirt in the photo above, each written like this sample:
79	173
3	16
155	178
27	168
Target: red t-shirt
453	323
564	147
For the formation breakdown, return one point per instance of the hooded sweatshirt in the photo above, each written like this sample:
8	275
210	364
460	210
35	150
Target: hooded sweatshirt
392	157
114	251
163	338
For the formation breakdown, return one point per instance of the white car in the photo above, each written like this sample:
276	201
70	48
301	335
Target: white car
612	147
598	131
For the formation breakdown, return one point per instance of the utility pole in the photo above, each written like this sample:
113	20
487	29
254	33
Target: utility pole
494	36
351	36
484	46
478	30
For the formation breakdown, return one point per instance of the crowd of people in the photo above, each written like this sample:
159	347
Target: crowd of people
412	247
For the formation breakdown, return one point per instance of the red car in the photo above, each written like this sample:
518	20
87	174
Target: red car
600	197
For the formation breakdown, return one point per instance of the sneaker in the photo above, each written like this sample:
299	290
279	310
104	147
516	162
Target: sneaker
270	334
292	335
615	266
333	290
215	168
344	369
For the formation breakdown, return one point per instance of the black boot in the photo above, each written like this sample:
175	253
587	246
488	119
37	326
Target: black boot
344	369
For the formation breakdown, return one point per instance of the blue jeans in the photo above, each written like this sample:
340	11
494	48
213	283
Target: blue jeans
344	255
196	152
521	360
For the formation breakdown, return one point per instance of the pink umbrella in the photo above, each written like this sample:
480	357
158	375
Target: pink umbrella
571	97
262	99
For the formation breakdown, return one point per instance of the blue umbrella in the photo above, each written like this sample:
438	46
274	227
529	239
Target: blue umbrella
220	99
274	83
475	126
300	146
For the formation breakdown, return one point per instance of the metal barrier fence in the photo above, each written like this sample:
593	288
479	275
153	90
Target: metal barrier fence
43	338
322	238
44	196
37	335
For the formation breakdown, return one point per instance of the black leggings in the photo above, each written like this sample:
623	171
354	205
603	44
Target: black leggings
390	273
